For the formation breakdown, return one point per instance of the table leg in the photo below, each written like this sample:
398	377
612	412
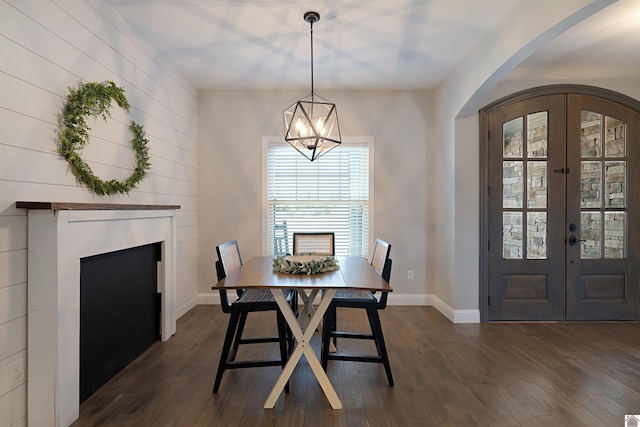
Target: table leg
308	310
303	346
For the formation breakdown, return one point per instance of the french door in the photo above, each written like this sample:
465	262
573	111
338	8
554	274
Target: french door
562	219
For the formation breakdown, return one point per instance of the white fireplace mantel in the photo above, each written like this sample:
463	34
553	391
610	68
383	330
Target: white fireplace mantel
60	234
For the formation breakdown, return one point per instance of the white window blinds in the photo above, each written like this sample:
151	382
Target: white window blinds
330	194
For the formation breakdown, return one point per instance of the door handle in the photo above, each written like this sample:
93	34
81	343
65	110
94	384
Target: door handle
573	240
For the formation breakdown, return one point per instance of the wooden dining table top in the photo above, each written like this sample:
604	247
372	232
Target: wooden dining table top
354	273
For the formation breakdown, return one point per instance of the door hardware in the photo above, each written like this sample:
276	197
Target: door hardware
573	240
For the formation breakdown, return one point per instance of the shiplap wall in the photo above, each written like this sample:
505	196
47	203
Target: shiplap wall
46	47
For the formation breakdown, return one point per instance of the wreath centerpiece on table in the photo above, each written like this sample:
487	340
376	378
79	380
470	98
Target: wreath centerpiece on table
94	99
305	264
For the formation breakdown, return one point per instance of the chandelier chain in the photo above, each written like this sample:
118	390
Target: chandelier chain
311	22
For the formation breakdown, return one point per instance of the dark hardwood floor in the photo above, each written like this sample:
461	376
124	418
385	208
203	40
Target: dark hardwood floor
496	374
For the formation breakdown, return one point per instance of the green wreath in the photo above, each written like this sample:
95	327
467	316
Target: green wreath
284	264
95	99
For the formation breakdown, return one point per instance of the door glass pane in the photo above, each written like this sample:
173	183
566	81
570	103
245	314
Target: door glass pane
590	184
614	188
537	134
615	138
512	189
590	234
537	184
512	235
614	235
591	144
536	235
512	138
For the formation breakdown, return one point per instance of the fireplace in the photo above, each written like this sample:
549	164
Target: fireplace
60	235
119	312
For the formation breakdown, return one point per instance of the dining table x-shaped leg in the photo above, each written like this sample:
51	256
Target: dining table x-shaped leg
303	328
307	312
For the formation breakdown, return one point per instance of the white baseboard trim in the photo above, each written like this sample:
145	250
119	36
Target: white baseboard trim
409	299
455	316
209	298
191	302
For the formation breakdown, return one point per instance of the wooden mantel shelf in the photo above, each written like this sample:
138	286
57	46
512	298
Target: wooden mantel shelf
69	206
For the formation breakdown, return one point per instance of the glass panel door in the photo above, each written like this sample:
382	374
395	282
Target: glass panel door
526	267
562	209
602	277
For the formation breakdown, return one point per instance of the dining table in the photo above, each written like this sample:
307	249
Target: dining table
354	272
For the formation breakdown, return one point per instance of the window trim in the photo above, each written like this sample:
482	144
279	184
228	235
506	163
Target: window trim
268	141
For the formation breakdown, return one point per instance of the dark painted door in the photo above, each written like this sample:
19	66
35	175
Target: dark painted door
603	210
563	205
526	204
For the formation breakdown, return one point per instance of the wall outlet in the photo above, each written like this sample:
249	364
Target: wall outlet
16	371
410	275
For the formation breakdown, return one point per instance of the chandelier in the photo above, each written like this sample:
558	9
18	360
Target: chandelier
311	124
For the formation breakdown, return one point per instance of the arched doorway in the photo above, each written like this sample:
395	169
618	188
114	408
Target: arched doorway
560	218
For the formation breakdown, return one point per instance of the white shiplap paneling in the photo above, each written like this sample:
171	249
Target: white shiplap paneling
13	267
58	44
13	407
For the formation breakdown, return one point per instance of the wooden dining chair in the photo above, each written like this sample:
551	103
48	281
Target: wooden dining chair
318	243
322	243
367	300
248	301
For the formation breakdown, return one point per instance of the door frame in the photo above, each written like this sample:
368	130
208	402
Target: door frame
484	113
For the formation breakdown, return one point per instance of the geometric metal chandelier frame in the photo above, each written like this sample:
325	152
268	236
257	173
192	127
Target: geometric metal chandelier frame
311	124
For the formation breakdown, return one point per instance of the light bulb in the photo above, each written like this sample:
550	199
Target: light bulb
302	129
320	127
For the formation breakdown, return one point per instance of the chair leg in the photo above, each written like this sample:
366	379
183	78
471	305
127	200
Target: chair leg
294	302
376	328
224	356
283	341
327	327
238	338
334	325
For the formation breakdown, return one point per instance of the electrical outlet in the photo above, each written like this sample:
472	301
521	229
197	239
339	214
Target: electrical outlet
410	275
16	371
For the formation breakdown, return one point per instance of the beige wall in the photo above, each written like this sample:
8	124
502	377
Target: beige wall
232	124
454	266
46	47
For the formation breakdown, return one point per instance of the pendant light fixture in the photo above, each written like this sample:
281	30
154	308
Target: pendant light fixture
311	124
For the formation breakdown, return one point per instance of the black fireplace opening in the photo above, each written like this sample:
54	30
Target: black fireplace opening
119	312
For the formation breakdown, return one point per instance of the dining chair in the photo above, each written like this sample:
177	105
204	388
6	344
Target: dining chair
248	301
318	243
367	300
322	243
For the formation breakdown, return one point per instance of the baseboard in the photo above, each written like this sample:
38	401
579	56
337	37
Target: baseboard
455	316
409	299
191	302
209	298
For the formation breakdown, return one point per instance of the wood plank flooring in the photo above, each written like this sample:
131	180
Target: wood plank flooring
496	374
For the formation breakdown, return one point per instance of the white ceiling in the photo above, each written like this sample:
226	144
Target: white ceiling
358	44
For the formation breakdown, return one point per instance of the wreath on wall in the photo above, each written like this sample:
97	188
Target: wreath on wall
94	99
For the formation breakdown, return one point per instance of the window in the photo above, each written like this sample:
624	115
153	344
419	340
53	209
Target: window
332	193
